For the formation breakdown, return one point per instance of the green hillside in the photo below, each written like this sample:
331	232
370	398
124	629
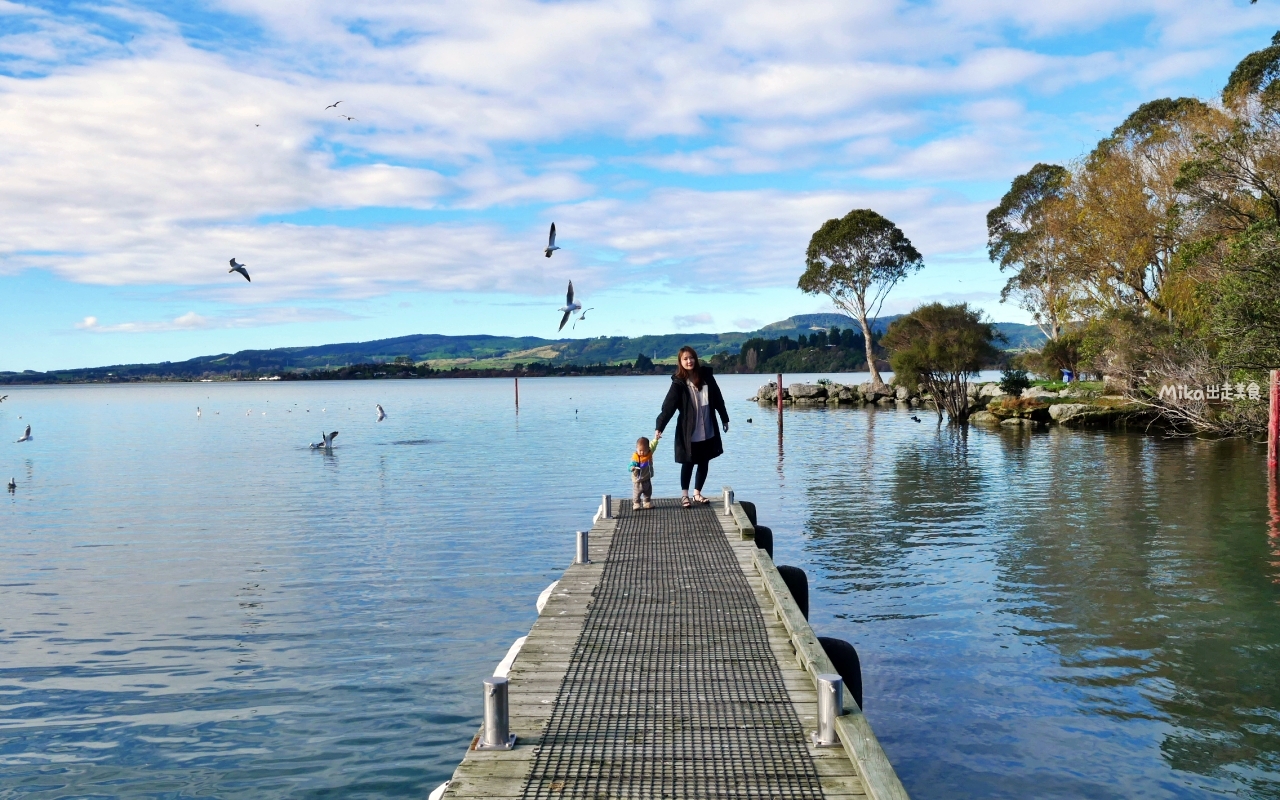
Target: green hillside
480	352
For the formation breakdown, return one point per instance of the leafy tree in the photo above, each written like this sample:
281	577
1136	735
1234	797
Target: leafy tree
856	260
848	338
1062	353
1014	381
643	362
939	347
1020	236
1246	316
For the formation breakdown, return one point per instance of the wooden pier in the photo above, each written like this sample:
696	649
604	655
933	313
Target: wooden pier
674	664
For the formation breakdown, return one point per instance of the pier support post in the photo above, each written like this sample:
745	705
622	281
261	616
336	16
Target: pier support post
1273	423
497	723
584	552
779	395
606	507
830	706
517	394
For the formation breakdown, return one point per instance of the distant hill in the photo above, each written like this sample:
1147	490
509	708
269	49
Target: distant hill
1017	336
477	352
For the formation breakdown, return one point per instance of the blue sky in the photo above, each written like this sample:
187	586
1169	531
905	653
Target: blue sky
685	150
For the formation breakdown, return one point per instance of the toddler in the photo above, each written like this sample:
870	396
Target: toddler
642	474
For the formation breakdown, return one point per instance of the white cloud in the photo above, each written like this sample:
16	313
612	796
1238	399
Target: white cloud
693	320
149	162
191	321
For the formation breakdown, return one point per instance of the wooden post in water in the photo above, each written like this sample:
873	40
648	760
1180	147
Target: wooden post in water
517	394
779	395
1273	423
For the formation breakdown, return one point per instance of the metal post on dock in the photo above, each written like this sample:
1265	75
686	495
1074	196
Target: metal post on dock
728	502
497	723
606	507
830	706
1273	423
584	552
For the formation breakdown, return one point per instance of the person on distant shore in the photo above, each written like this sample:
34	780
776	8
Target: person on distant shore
695	395
642	474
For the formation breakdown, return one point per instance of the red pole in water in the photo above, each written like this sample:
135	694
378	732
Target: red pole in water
1273	423
779	395
517	394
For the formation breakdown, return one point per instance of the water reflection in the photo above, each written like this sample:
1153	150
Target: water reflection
1045	584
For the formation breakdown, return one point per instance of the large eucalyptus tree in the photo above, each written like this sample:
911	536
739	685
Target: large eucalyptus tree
856	260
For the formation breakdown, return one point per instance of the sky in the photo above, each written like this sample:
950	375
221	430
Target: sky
685	150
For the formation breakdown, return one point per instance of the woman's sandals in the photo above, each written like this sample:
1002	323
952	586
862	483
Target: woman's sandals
684	501
698	498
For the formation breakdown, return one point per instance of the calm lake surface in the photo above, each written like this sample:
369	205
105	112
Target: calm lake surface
196	608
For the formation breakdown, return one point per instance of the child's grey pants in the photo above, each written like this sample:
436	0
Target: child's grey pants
641	486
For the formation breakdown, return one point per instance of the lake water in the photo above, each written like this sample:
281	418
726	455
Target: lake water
206	608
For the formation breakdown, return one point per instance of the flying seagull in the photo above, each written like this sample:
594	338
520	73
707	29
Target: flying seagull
335	105
348	119
235	267
551	242
326	442
569	306
26	437
381	414
584	316
2	399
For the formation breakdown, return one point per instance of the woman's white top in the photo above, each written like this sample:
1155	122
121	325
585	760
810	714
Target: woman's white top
704	426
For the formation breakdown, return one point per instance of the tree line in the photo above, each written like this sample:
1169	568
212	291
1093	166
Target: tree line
1154	259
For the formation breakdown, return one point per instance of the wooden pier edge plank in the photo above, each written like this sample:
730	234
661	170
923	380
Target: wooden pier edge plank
879	779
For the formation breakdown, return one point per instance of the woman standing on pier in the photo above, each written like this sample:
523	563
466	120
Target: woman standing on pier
695	395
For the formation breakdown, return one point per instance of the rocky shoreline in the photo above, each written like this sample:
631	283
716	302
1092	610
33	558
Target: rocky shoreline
989	405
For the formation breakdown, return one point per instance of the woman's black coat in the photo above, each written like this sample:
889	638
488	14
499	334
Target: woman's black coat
678	399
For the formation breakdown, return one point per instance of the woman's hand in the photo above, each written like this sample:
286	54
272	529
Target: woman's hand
726	426
657	435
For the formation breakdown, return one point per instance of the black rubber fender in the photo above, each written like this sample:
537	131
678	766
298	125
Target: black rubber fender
764	539
798	584
845	659
750	508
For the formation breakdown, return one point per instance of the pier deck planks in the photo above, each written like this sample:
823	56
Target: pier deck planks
668	668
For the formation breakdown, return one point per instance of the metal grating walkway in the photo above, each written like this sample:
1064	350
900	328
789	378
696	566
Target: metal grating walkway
672	689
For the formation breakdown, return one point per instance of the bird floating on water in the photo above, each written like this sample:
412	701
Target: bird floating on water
381	414
326	441
26	437
914	418
569	306
13	485
197	412
551	242
240	268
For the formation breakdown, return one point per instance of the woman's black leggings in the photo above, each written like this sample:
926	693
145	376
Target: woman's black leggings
686	472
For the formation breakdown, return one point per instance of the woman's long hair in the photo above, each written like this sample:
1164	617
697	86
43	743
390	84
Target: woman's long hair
694	375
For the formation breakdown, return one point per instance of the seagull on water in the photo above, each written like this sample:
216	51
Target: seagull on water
551	242
240	268
569	306
335	105
13	485
197	412
26	437
326	441
381	414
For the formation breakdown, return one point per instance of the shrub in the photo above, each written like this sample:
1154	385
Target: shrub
1014	381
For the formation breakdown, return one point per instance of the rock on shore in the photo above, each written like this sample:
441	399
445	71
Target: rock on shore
1035	408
